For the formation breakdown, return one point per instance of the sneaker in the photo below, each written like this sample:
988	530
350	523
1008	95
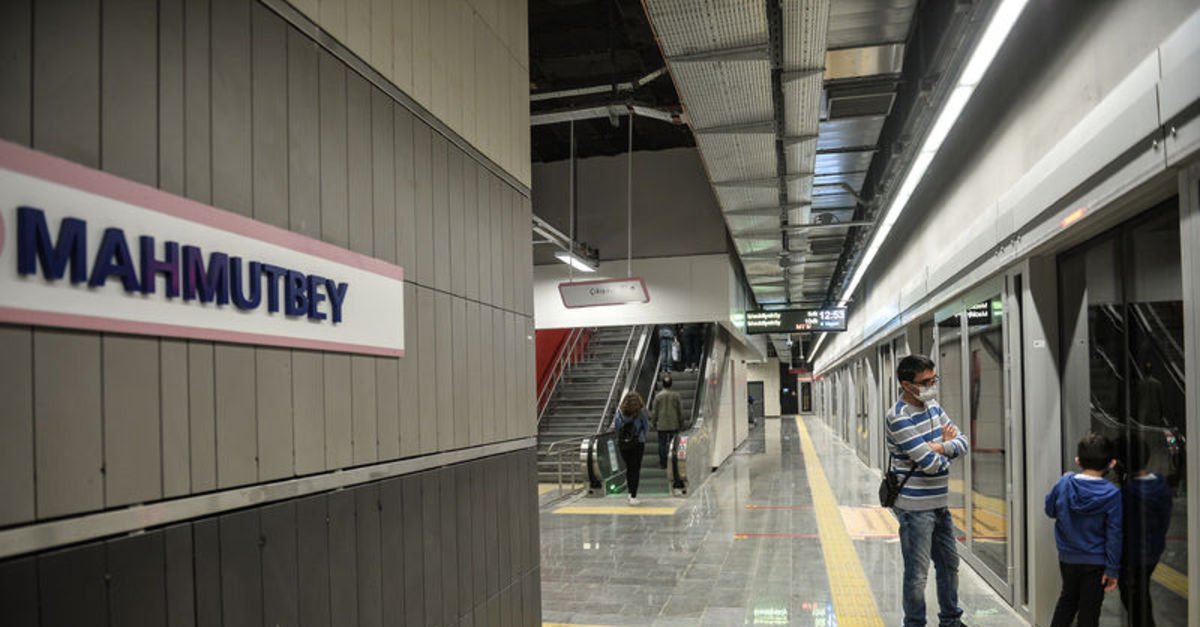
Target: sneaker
633	500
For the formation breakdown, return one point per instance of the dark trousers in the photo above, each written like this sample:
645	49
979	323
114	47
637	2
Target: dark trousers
1135	594
1082	593
633	465
664	446
691	350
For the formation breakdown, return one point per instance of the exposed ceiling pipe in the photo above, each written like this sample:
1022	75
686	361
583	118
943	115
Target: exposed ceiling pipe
607	111
599	89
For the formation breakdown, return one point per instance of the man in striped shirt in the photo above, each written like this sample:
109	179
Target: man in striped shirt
922	440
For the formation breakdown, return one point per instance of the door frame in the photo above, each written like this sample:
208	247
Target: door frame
1189	233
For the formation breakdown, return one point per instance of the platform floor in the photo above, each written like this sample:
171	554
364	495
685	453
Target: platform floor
758	544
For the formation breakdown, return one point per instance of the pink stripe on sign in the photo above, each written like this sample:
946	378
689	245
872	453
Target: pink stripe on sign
56	170
100	323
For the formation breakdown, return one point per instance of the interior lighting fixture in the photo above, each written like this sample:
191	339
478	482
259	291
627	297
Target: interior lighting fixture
813	353
994	35
575	261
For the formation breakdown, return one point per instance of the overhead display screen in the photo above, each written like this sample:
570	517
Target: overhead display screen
796	320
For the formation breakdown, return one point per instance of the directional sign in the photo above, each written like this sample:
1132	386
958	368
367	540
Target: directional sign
795	320
603	292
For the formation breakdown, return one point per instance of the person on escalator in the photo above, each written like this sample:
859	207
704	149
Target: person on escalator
666	414
631	425
692	336
1148	502
666	342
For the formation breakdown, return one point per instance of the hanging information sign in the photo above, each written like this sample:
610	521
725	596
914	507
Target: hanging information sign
795	320
603	292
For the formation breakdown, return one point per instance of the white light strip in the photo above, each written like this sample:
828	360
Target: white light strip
813	352
573	261
981	59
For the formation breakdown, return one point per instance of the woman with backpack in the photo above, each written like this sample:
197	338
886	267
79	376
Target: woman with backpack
631	424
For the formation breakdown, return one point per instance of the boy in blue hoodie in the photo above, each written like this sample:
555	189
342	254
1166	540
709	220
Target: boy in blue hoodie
1087	530
1148	502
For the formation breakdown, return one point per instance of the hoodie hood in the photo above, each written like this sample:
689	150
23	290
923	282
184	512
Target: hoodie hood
1085	495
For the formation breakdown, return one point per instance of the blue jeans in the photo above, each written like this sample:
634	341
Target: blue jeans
925	535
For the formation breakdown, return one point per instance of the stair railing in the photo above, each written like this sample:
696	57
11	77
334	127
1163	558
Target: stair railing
558	451
568	356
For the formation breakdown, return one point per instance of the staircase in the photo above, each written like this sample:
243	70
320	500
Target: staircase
576	407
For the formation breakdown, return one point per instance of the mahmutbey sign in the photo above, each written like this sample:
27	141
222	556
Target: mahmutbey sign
84	249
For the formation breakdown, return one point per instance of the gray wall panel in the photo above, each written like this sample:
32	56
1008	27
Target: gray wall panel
495	209
19	592
423	270
503	388
173	391
492	526
487	382
391	551
308	411
137	594
447	499
202	416
458	256
339	430
170	96
512	374
67	427
441	212
470	245
232	176
461	519
492	611
16	76
312	540
303	121
66	89
410	403
445	372
471	390
500	477
71	587
335	223
180	584
237	436
508	235
358	163
370	569
364	410
16	425
273	382
280	565
483	199
432	544
270	117
406	210
343	567
460	383
197	106
132	444
206	541
413	531
241	570
387	395
383	175
427	371
129	89
479	534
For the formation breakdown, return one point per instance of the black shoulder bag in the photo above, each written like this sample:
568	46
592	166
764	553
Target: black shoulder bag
890	486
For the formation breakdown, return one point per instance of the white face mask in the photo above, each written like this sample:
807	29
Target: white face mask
928	394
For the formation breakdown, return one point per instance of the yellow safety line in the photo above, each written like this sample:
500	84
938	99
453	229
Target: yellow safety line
1171	579
618	510
568	625
853	601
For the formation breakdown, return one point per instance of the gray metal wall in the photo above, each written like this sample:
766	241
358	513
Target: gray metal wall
453	546
224	102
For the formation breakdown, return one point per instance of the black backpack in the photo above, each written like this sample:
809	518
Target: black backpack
627	437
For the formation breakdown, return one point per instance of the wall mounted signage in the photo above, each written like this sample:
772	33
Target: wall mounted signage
795	320
603	292
84	249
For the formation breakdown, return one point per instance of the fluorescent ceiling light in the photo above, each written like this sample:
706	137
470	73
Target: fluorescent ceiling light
813	353
981	59
574	261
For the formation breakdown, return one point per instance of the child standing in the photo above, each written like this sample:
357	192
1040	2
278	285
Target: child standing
1087	530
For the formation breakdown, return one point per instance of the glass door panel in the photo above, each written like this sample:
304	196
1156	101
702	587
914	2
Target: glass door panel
988	432
950	395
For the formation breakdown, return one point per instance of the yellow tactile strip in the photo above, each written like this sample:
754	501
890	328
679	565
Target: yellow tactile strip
869	522
853	602
1171	579
618	510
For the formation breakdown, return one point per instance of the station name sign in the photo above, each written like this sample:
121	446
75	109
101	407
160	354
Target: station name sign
84	249
603	292
795	320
